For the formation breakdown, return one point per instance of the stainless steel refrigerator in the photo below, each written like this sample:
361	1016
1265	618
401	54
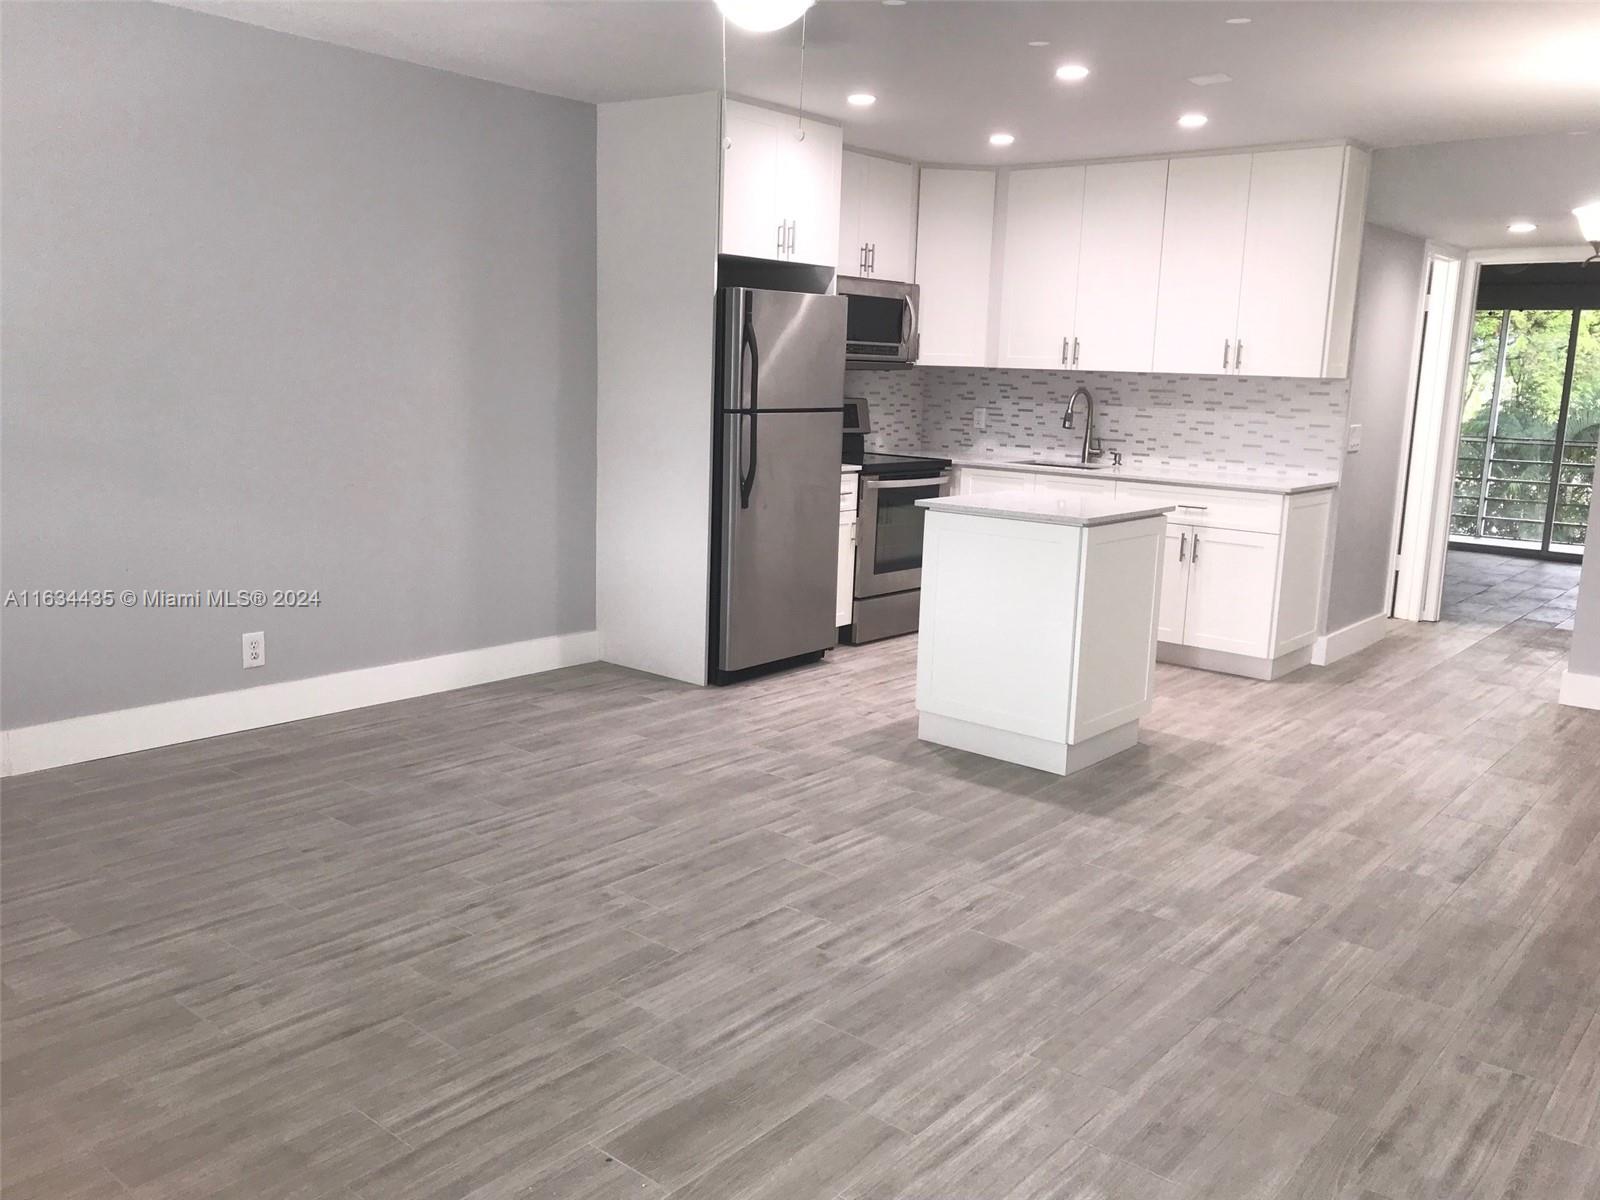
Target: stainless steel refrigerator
779	425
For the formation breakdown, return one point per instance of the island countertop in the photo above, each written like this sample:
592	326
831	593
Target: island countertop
1082	510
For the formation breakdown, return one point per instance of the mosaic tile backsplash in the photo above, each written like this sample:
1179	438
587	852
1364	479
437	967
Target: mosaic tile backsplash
1191	422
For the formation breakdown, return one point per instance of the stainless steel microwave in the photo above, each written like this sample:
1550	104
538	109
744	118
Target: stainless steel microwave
880	323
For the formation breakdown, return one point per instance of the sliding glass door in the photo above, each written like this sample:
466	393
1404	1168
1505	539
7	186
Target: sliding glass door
1525	462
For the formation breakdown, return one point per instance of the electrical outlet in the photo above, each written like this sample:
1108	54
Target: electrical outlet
255	650
1353	439
980	418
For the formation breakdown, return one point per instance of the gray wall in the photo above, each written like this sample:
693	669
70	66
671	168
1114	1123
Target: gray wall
1584	656
280	314
1381	388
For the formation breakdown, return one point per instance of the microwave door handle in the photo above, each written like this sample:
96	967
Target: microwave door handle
911	318
748	342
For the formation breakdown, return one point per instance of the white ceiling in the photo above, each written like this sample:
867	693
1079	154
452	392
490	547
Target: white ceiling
947	73
1465	193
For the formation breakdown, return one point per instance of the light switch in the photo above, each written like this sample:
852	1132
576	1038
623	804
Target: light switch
980	418
1353	440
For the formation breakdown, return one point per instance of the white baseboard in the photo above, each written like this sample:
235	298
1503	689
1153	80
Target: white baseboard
102	735
1341	643
1580	691
1025	750
1264	669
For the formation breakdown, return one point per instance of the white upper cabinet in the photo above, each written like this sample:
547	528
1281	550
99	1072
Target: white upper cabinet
955	235
1039	272
1202	260
780	193
1217	264
878	218
1119	266
808	192
1302	247
750	222
854	182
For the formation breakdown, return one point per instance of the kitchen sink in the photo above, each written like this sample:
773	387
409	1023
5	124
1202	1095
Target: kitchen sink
1071	466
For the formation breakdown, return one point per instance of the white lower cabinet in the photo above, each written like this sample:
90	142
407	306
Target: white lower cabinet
1230	579
1243	600
1242	572
843	595
1174	598
974	481
1069	485
845	578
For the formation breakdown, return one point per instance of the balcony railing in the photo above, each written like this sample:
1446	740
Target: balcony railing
1502	491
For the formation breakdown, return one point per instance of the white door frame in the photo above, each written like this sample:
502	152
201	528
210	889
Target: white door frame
1419	574
1435	338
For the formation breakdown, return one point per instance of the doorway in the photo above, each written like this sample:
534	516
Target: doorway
1503	438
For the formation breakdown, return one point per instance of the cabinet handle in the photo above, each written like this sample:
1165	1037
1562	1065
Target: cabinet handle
1064	342
1238	356
791	238
780	240
1074	351
872	257
861	260
1183	545
1195	557
1227	344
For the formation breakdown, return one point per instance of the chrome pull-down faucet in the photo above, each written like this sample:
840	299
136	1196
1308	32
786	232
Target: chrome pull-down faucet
1086	453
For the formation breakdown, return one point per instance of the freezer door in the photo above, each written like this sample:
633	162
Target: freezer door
786	350
780	545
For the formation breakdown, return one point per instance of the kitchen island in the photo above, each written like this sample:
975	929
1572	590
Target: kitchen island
1038	625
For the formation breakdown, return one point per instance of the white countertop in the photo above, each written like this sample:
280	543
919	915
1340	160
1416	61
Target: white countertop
1050	510
1280	484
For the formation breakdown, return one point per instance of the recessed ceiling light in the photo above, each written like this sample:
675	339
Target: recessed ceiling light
1521	227
1210	80
1072	72
862	99
1237	21
1001	139
1038	43
893	3
1192	120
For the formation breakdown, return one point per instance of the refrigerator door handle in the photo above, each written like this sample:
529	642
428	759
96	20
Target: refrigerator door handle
748	342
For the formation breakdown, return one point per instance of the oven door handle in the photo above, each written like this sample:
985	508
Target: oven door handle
921	481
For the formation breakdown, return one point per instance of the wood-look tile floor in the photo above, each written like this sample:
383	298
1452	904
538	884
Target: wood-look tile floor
595	935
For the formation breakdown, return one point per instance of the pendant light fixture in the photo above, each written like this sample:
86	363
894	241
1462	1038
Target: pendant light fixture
762	16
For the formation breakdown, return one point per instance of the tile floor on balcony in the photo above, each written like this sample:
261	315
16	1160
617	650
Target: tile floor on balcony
592	935
1494	589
